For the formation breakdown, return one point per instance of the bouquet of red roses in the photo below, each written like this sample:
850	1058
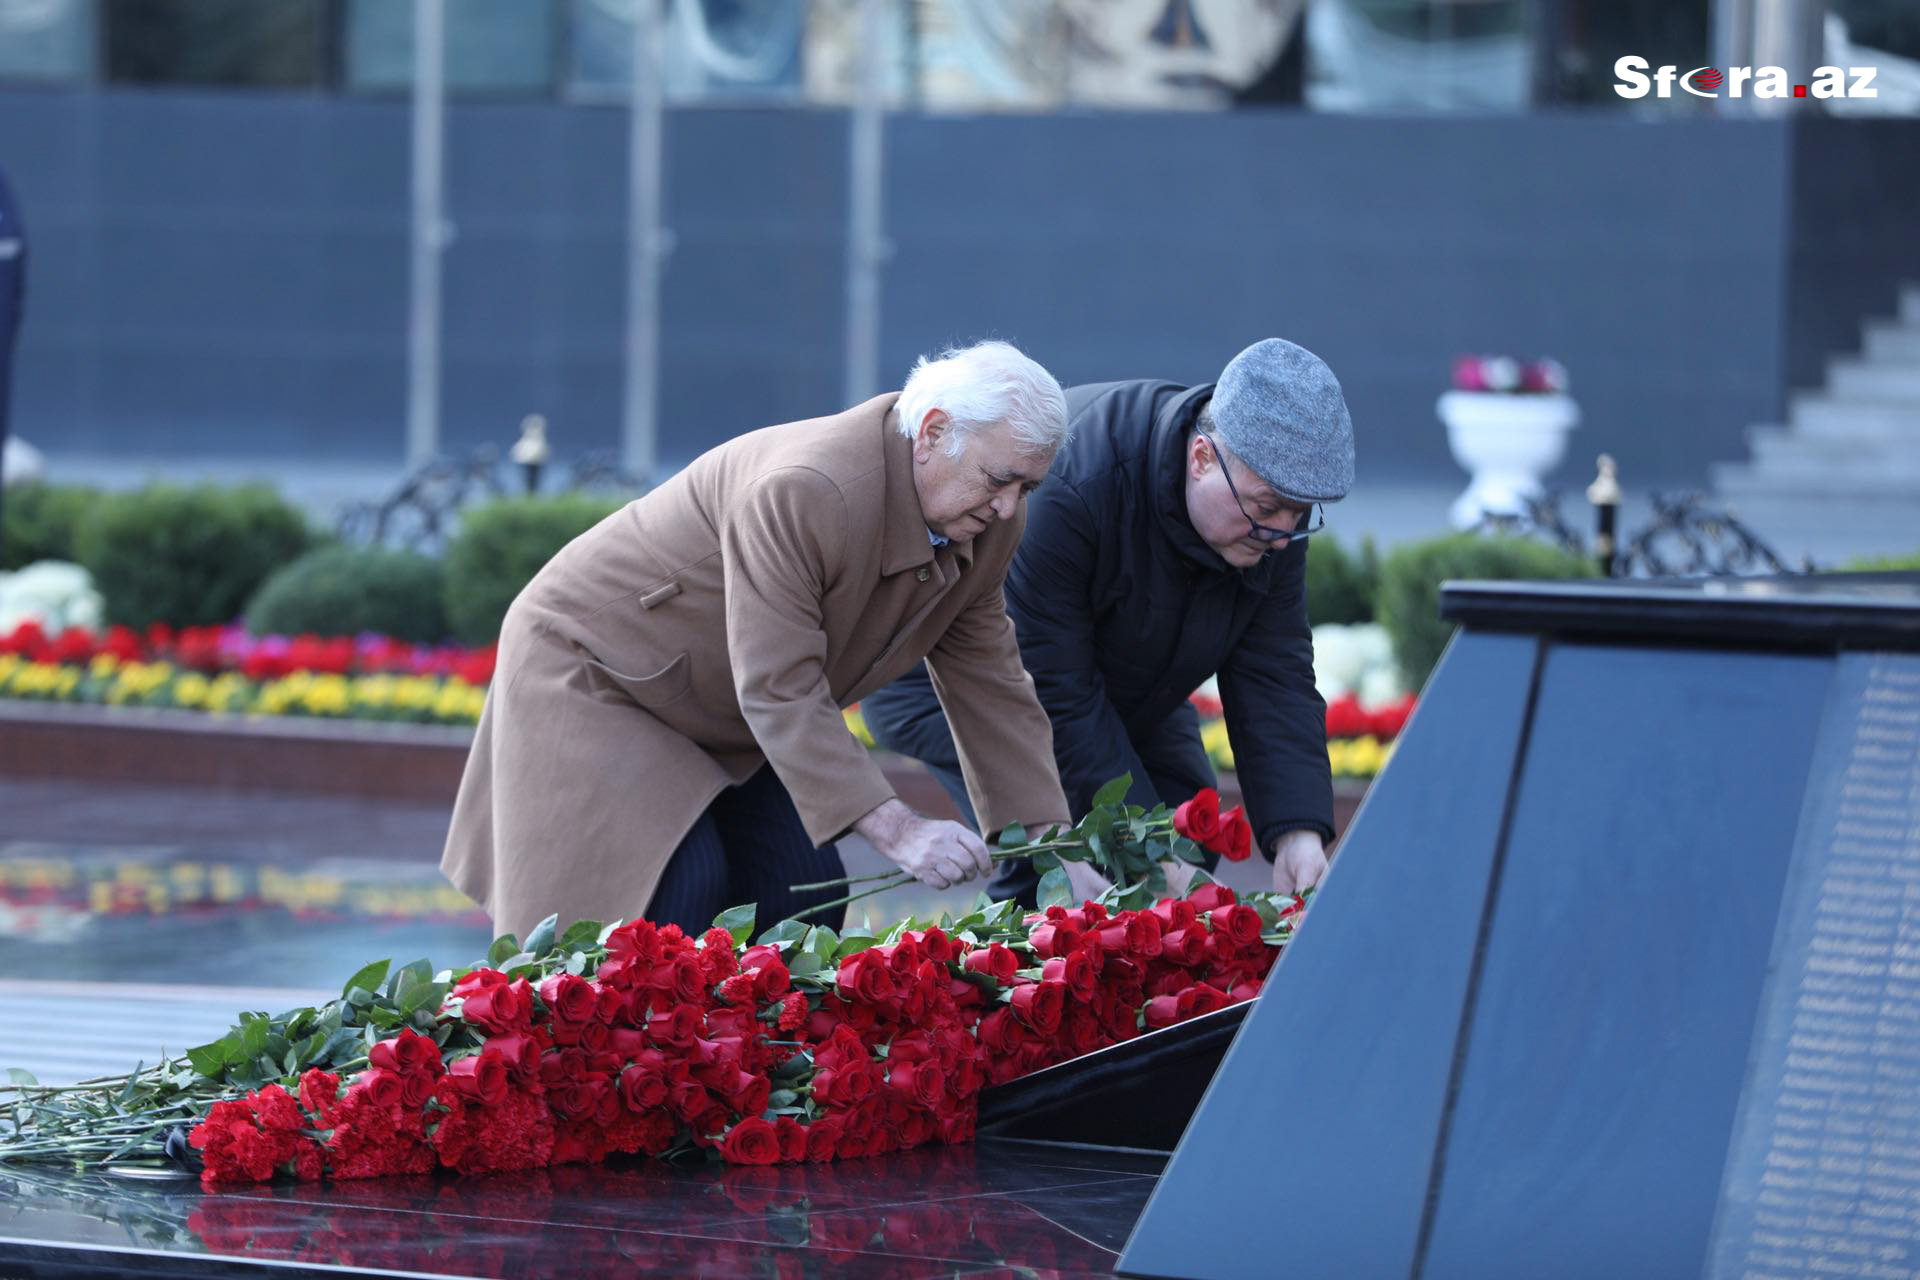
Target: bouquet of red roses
800	1044
1129	845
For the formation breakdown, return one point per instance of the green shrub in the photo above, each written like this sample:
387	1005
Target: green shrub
342	591
500	546
1410	578
187	557
1341	585
1883	564
40	522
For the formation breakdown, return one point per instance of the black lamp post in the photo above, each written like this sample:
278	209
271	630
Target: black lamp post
1604	494
531	450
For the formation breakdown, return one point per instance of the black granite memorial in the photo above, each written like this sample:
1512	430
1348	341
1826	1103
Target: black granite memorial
1617	972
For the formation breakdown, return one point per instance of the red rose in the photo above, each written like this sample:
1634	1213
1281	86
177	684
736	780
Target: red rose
482	1077
1209	896
501	1007
1199	818
520	1052
1076	971
793	1139
384	1088
1235	841
643	1087
416	1089
823	1139
866	977
994	960
1240	923
407	1054
676	1026
1055	938
999	1032
1162	1011
1200	998
1040	1005
772	979
1175	913
1184	947
569	998
478	980
937	946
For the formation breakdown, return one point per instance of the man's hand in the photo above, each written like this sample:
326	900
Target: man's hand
1179	877
1299	860
937	852
1086	883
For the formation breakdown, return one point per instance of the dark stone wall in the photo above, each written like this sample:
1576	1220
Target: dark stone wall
226	272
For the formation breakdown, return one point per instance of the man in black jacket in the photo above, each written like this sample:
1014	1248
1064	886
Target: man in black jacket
1169	544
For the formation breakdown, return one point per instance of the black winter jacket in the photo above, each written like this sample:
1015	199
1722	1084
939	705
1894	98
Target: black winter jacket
1122	611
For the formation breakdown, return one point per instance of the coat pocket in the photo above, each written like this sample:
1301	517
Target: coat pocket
663	686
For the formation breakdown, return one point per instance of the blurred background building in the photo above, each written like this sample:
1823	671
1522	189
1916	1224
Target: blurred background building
257	242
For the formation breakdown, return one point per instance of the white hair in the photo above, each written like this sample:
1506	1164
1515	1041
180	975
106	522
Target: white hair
980	385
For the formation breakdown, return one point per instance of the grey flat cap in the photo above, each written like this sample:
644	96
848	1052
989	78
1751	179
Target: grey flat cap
1279	409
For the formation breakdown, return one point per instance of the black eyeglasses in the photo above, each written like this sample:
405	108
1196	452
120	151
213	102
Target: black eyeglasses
1305	525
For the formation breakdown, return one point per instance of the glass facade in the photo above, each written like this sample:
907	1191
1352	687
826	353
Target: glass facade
1356	56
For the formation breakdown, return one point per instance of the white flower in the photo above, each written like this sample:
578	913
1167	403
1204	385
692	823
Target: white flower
53	593
1381	687
1501	372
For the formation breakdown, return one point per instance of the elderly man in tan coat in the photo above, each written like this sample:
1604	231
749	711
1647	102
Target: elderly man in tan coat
664	735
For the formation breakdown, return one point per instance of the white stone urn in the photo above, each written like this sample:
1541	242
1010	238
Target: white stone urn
1506	441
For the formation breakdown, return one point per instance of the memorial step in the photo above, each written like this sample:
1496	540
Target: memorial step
1822	414
1776	448
1743	482
1890	381
1890	340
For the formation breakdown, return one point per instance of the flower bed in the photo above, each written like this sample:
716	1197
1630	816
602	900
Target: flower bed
225	670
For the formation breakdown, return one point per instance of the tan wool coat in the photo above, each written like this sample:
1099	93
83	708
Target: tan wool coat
722	622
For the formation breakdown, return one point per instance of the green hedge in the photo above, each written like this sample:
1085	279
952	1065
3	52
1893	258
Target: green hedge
40	521
1883	564
499	548
1409	601
188	557
342	591
1341	585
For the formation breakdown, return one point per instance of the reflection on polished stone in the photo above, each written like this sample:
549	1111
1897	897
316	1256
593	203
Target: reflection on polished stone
972	1210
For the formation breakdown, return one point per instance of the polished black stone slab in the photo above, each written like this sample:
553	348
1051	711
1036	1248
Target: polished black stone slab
1138	1094
1515	1035
990	1208
1825	611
